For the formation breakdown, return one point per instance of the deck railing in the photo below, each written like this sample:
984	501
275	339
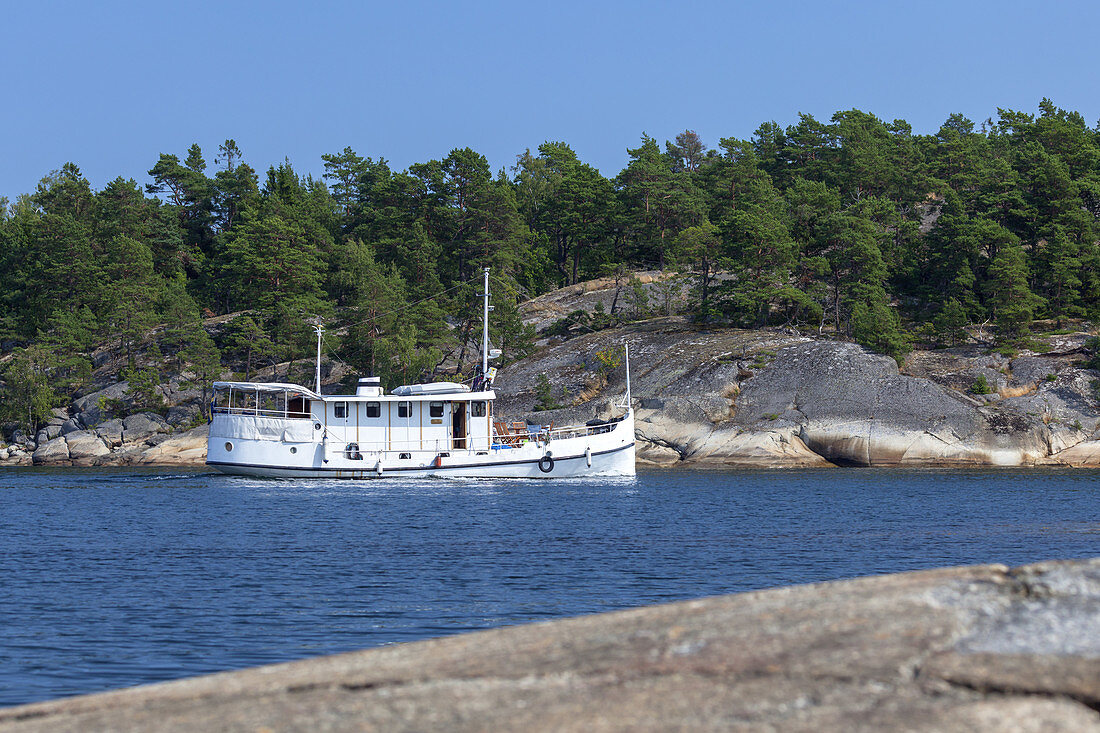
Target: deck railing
257	412
336	444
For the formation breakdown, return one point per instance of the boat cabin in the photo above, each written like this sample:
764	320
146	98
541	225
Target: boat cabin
438	418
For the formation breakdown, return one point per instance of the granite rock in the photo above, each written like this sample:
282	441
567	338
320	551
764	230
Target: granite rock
142	425
982	648
85	446
111	432
52	451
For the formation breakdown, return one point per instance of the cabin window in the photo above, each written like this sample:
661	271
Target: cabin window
404	409
477	409
297	407
435	409
374	409
340	410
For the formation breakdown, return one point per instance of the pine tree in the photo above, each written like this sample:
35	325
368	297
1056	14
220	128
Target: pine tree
1011	300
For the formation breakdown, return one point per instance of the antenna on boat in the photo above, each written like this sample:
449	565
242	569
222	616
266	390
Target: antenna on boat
485	329
319	330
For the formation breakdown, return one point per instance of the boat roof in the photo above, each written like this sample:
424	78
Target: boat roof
305	392
269	387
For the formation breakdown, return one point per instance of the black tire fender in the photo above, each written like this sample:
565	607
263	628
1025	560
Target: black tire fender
546	463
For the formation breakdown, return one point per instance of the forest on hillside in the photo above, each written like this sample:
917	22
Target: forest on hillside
856	227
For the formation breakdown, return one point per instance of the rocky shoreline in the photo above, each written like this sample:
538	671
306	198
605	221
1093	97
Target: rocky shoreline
720	398
777	399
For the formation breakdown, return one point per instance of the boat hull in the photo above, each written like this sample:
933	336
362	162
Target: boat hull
607	451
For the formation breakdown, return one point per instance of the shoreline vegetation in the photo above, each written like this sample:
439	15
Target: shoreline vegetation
843	292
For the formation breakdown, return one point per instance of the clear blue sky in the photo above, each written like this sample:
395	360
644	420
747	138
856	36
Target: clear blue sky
111	85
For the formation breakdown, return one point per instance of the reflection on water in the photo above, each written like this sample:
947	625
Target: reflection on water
114	578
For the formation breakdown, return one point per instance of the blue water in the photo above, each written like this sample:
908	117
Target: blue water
110	578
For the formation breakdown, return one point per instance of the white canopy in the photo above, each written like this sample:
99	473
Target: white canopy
268	387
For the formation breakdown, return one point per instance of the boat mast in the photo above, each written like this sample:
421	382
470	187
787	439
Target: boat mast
319	329
485	329
626	350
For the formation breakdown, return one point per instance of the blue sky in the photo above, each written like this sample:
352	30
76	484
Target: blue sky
112	85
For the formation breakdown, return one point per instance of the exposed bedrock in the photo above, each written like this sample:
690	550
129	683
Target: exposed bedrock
981	648
773	398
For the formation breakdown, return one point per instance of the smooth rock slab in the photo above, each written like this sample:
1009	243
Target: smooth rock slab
85	446
111	432
142	425
53	451
952	649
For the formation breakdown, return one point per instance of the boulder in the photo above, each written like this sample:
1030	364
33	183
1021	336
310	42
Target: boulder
182	414
85	445
3	454
142	425
52	451
21	438
70	426
94	408
184	449
117	391
111	432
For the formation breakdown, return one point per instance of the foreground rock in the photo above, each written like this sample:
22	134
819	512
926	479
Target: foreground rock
979	648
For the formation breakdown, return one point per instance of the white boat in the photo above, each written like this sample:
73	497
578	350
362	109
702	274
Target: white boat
439	429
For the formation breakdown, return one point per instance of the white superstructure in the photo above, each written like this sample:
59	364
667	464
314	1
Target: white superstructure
436	429
272	429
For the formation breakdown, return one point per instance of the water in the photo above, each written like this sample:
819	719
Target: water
110	578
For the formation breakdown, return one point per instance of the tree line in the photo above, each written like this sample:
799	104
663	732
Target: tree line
855	226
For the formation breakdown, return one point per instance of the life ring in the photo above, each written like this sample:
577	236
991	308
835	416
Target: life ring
546	463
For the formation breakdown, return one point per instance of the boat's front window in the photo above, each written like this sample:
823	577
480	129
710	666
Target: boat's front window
220	401
242	400
269	404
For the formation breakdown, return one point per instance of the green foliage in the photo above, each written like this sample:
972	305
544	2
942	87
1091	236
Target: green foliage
143	386
949	325
608	360
544	395
28	389
877	327
981	385
1092	348
853	226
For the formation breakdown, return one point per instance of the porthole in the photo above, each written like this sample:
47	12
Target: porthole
316	426
293	449
228	447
